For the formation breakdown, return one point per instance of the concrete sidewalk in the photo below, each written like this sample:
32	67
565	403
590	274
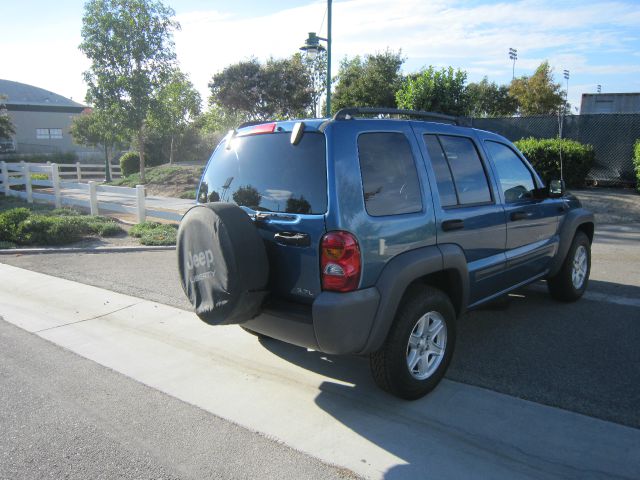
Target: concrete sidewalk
322	405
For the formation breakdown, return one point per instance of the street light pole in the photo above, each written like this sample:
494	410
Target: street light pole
312	47
328	113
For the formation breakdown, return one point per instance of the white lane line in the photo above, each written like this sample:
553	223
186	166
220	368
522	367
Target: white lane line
604	297
596	296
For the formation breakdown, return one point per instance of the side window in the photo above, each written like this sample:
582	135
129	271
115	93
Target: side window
446	190
459	172
515	178
389	177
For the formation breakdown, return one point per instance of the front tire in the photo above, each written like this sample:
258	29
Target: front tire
419	346
571	281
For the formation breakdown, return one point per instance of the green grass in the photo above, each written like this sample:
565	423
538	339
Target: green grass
24	224
164	175
154	233
189	194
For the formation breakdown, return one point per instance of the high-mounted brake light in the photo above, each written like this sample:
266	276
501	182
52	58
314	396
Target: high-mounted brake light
340	262
258	129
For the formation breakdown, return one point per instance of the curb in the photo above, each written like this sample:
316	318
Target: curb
22	251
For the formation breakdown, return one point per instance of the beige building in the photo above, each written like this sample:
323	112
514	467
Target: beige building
42	120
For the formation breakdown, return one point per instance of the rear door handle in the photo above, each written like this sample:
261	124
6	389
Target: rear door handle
519	215
449	225
292	238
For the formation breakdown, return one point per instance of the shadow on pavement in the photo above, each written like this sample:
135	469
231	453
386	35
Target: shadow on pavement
580	356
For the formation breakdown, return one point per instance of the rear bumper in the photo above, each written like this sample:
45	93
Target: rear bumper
336	323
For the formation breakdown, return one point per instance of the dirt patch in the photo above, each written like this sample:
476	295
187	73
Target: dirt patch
611	205
121	240
167	180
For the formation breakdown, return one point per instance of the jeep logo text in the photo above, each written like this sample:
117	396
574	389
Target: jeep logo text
200	259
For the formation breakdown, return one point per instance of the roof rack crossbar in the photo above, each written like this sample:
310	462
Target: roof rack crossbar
346	113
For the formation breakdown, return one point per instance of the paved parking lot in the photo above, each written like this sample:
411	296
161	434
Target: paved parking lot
581	357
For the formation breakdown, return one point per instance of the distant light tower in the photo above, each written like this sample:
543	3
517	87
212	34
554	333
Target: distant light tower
566	77
513	55
599	88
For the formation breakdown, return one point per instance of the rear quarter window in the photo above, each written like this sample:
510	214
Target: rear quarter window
389	176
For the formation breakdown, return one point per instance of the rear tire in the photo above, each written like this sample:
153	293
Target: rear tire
571	281
419	345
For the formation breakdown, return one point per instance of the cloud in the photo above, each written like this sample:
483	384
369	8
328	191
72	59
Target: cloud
472	37
594	40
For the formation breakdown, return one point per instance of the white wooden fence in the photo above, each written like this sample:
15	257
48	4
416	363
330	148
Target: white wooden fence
86	195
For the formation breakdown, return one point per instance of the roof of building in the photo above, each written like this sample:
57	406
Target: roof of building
21	94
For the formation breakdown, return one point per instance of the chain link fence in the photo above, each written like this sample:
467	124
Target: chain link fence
611	135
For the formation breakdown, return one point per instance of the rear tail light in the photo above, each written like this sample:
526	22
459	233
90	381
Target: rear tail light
340	262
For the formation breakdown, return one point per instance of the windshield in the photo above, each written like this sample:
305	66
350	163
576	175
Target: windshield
265	172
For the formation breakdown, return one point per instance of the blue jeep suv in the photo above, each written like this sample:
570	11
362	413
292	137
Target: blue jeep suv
370	236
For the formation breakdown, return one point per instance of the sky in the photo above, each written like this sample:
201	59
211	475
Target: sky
597	41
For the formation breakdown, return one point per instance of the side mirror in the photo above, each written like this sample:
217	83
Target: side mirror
556	188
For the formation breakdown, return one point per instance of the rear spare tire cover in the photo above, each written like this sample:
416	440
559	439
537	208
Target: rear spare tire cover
223	263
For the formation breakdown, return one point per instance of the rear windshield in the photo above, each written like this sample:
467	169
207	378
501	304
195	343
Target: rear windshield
265	172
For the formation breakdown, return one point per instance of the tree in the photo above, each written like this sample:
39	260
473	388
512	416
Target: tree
178	103
369	82
298	205
538	94
276	90
218	119
441	91
487	99
317	72
130	46
247	196
98	129
6	127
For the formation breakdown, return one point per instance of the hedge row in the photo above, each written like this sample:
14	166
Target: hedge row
61	157
544	155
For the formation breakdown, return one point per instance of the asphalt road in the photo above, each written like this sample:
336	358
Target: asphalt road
63	416
582	357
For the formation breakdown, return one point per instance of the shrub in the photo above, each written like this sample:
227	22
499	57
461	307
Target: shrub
189	194
9	222
636	163
64	212
24	227
154	233
42	229
130	163
544	155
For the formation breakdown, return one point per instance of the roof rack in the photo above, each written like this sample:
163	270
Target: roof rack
348	113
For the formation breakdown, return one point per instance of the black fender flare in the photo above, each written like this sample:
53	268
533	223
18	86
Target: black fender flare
401	271
567	231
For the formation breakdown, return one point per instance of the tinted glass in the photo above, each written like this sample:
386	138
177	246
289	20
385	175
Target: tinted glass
446	190
515	178
468	174
389	176
266	172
